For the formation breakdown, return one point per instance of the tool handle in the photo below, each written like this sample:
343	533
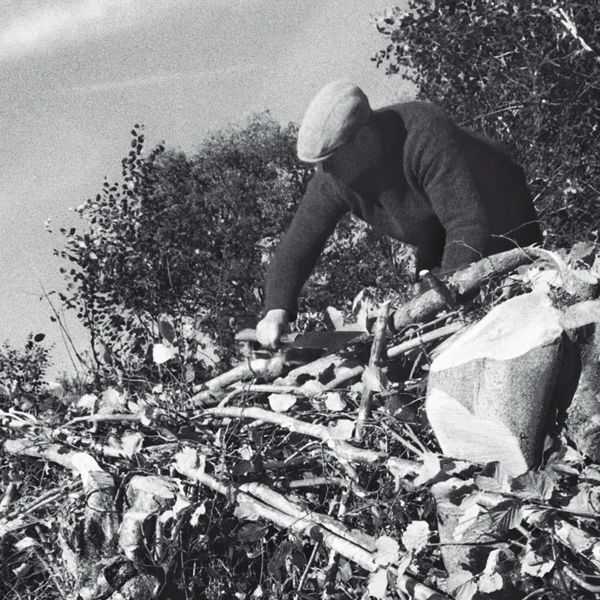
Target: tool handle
249	335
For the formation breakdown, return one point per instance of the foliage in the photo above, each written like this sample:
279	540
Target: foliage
526	72
23	372
175	254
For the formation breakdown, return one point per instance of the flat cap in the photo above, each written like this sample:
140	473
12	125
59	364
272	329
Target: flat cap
331	119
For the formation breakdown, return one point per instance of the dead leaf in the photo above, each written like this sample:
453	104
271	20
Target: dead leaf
187	461
246	511
128	445
161	353
388	550
334	401
111	402
87	402
490	580
430	468
416	536
536	565
466	521
312	387
465	591
342	430
377	585
282	402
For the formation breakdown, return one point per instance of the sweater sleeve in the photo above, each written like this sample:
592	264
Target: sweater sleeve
318	213
440	166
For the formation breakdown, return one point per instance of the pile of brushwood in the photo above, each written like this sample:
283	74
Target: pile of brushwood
377	470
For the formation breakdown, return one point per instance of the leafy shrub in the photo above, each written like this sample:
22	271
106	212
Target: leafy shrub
23	372
526	72
175	254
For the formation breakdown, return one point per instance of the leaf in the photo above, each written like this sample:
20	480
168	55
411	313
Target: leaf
282	402
490	580
388	550
372	379
198	512
416	536
466	591
466	521
162	353
190	374
341	430
585	500
26	543
187	461
536	565
334	401
511	518
87	402
431	468
377	584
166	330
252	532
129	444
111	401
335	316
312	387
535	486
246	511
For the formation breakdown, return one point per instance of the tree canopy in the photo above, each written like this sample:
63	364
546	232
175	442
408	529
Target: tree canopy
176	252
526	72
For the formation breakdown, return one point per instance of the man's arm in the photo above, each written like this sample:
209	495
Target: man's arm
318	213
440	167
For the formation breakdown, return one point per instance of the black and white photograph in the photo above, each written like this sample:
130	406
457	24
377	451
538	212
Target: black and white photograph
300	300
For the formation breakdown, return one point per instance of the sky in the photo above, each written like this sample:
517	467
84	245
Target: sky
78	74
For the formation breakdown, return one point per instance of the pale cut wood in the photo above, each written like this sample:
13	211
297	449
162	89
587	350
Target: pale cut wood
425	306
583	414
490	388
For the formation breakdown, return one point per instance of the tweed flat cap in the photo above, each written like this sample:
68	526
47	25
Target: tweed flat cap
331	119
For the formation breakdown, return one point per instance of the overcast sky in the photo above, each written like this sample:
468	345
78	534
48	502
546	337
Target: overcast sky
77	74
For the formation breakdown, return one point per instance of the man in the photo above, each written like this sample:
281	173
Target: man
408	171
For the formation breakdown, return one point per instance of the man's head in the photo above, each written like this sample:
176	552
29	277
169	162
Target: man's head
337	130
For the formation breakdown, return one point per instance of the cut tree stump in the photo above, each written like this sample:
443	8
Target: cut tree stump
583	414
491	387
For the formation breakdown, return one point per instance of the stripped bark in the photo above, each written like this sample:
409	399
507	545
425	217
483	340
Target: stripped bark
374	366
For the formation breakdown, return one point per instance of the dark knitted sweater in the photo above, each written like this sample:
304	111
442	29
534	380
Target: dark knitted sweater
453	194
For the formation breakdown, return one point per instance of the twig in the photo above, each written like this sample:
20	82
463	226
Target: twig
436	334
377	349
580	581
567	22
410	447
309	564
260	389
269	368
342	449
334	558
316	482
9	495
343	378
105	418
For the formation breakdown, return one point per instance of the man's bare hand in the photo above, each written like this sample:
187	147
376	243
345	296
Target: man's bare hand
272	327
